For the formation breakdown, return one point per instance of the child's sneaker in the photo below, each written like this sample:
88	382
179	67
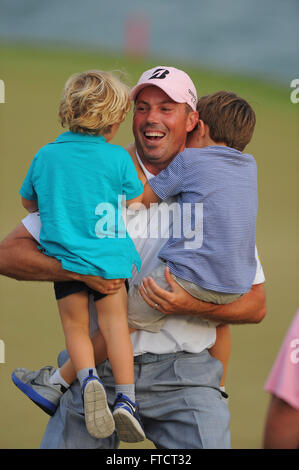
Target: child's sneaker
127	420
98	417
36	385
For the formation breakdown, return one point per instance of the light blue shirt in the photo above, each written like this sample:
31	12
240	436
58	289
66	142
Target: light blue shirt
217	193
79	182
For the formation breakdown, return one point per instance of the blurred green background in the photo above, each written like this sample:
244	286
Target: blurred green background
29	321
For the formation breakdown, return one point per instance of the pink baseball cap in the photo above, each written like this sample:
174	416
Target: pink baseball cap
174	82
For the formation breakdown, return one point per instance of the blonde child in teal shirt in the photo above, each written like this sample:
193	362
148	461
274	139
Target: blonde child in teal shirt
74	182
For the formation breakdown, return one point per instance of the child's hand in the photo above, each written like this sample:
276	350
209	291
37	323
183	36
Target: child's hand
30	206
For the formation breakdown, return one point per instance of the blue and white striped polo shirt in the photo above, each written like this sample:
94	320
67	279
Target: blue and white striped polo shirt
217	193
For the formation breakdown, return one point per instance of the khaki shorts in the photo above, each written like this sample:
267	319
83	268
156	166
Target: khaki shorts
143	317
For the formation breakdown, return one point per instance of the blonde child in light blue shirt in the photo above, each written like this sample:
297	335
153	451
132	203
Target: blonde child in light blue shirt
67	182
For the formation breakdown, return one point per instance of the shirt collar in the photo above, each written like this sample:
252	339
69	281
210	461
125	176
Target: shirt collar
78	137
147	173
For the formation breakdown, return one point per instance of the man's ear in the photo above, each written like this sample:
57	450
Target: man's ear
192	120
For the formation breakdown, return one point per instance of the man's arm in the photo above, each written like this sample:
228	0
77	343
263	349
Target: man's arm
282	426
250	308
20	259
149	196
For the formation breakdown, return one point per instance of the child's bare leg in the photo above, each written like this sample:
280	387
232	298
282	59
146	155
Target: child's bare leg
222	347
113	322
67	370
74	315
113	340
75	321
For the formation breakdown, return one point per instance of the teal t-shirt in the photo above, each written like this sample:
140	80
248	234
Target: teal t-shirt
79	182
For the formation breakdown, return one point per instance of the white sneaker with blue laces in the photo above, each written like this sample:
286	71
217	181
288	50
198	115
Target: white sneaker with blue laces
127	420
98	417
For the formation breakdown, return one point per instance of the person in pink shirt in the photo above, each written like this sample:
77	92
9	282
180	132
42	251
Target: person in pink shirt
282	422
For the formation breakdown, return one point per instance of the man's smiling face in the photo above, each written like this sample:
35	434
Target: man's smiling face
160	127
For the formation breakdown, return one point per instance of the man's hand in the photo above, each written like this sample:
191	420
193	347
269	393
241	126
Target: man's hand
177	301
105	286
250	308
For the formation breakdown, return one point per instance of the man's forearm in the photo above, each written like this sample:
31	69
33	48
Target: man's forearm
250	308
21	259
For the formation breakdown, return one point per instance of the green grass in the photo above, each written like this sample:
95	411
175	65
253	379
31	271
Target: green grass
29	322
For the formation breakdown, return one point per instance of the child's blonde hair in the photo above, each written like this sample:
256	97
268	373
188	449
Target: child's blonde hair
93	101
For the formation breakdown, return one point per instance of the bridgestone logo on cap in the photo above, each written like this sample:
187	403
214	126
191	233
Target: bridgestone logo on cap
159	73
